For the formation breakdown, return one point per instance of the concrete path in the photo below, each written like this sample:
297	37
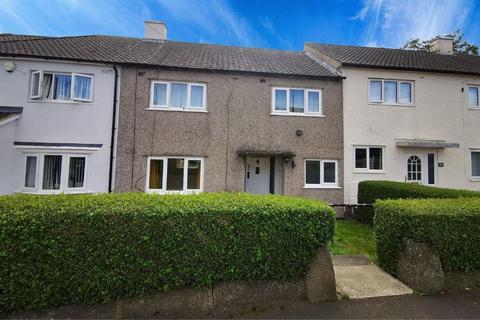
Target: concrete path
358	278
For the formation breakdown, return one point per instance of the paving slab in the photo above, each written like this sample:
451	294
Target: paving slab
357	278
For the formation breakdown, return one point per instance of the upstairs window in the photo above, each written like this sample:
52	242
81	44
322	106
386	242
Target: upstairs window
293	101
368	158
473	97
178	96
53	86
390	92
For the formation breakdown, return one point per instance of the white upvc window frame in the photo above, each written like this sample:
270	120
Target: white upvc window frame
367	169
185	190
472	177
63	174
472	106
38	97
322	184
305	112
188	106
37	169
398	103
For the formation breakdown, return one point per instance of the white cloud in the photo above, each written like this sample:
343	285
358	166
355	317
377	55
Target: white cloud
391	22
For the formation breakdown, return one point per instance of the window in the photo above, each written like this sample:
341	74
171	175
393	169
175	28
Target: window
414	169
368	158
175	174
177	96
390	92
57	172
474	97
30	172
321	173
475	164
61	86
296	101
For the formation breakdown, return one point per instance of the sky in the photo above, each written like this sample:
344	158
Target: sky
275	24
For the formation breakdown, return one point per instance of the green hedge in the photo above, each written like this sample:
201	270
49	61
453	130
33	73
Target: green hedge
95	248
369	191
450	226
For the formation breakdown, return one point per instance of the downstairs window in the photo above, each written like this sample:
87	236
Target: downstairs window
175	174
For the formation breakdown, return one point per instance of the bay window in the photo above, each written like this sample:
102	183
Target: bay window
296	101
174	174
178	96
393	92
321	173
55	86
368	158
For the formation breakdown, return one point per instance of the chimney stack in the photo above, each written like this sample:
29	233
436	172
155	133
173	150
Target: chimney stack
155	30
442	44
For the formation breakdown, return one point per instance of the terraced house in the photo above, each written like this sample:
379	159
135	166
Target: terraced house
408	115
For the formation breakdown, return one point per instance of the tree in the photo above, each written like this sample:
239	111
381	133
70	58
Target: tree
460	45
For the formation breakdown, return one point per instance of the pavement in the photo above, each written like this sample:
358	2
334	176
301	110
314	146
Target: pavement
358	278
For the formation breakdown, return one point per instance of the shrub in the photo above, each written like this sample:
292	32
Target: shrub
95	248
450	226
369	191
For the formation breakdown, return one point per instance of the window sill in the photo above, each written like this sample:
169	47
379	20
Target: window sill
391	105
175	110
297	115
475	179
369	171
174	192
474	108
322	187
60	101
80	191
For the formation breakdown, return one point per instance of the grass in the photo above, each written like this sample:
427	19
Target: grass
352	237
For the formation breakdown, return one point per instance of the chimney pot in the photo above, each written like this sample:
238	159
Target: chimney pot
155	30
442	44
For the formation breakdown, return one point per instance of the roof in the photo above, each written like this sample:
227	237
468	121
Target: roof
384	58
420	143
6	112
139	51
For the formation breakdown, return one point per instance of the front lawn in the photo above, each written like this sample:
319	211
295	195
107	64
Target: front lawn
352	237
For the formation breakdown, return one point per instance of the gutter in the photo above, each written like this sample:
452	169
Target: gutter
114	121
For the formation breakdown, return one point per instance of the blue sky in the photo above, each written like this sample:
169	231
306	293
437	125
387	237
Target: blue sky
272	24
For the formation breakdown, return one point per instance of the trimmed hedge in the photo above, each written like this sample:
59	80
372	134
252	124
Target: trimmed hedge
96	248
370	191
450	226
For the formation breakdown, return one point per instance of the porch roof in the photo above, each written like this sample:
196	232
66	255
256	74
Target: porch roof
265	153
420	143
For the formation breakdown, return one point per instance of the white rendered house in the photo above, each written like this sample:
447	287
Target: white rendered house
408	116
55	124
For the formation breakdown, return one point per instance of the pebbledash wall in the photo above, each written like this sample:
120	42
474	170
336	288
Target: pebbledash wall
238	117
55	122
439	111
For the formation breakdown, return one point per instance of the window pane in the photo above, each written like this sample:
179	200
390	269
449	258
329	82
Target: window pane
196	96
375	91
63	83
281	100
193	179
375	159
35	84
361	158
82	87
473	96
405	92
313	102
155	180
30	172
52	169
431	168
175	174
76	172
476	164
312	172
178	95
329	172
47	86
160	94
390	91
297	100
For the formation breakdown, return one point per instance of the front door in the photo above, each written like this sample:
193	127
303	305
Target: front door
420	168
257	175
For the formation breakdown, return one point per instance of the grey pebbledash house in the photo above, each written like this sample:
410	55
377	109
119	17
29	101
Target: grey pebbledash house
195	117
